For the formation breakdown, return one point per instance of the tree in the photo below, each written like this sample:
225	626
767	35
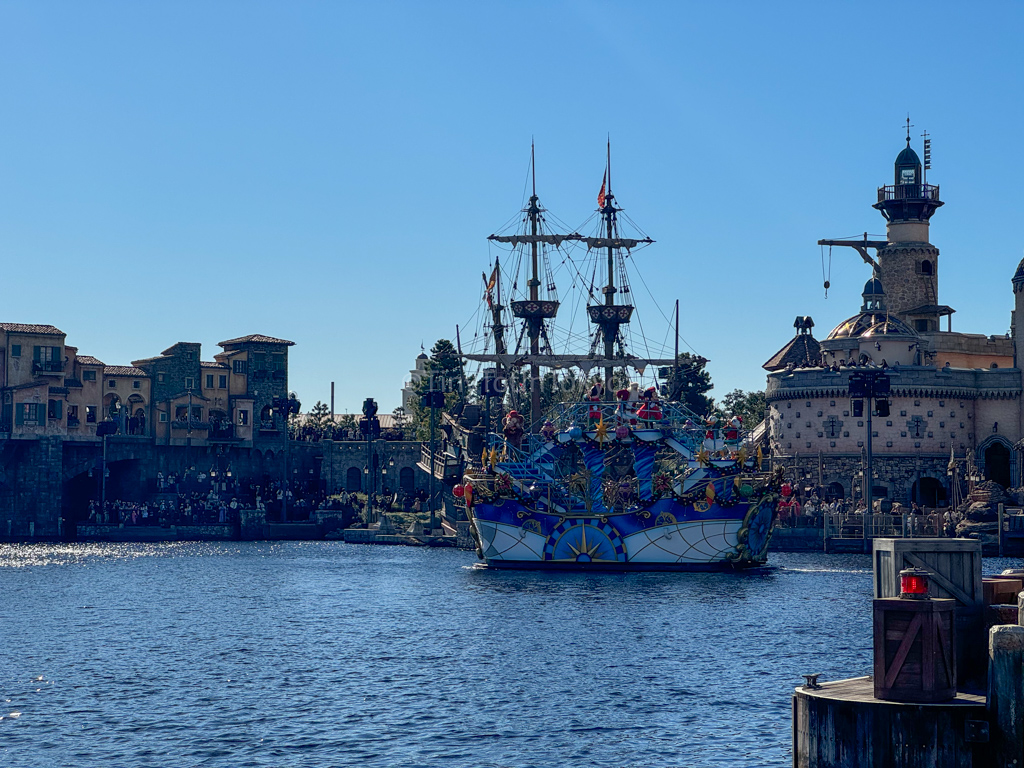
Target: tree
749	406
444	374
689	383
319	418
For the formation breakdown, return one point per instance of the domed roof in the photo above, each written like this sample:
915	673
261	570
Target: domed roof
873	287
422	356
1019	276
908	157
891	326
856	325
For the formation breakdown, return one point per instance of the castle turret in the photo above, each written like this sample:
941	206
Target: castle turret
909	263
1017	320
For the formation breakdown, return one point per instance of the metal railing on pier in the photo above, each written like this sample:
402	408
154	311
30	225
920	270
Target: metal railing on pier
850	525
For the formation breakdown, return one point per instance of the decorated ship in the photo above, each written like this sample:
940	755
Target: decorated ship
617	473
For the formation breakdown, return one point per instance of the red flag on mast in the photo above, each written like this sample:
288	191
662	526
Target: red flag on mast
489	285
600	195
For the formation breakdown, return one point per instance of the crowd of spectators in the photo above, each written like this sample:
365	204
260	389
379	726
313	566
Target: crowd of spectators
810	513
212	498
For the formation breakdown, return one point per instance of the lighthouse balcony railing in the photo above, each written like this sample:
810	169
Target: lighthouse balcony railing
908	192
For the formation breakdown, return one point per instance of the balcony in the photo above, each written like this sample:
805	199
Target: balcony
259	374
47	367
444	466
222	433
908	192
196	425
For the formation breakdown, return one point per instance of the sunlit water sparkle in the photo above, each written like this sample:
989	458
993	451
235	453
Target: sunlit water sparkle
327	654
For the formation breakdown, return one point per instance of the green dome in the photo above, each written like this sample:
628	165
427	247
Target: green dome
908	157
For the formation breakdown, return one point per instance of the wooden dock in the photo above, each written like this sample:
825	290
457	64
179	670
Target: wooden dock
842	725
948	698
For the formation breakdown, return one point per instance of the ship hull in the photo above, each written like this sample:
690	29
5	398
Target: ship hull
661	536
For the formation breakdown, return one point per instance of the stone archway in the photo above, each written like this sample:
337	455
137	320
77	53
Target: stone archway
834	492
353	480
929	492
998	464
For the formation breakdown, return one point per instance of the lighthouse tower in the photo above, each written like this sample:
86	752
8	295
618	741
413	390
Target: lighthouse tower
909	263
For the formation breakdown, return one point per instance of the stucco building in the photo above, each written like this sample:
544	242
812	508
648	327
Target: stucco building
953	395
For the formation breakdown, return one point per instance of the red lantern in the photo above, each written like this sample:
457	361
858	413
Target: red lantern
787	490
467	491
914	584
459	491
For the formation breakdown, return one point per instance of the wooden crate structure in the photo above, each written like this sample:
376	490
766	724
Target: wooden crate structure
1001	590
913	644
954	572
953	565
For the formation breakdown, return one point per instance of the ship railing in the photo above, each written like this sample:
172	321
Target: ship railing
693	437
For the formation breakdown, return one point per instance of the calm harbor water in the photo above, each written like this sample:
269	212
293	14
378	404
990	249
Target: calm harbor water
328	654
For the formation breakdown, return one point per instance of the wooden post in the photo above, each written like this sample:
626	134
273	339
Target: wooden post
1000	530
1006	694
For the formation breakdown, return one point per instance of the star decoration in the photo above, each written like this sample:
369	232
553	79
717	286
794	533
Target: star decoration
601	431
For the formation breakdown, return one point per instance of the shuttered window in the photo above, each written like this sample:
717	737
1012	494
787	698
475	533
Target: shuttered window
30	414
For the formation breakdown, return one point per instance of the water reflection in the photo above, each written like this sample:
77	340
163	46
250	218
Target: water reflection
334	654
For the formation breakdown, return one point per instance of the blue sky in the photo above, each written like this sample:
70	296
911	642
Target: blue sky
329	172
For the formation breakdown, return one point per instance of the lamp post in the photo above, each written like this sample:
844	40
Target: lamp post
369	495
873	386
369	425
103	478
188	432
433	399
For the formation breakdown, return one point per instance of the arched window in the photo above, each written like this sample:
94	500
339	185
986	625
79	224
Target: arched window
353	479
834	492
997	464
926	267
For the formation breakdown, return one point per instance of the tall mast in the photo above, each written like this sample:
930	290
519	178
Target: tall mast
534	285
609	289
609	316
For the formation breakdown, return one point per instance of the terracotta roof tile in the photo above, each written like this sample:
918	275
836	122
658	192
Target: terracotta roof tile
210	364
31	328
259	339
89	360
123	370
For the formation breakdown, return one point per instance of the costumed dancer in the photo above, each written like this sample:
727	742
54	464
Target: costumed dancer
513	428
595	396
710	433
650	408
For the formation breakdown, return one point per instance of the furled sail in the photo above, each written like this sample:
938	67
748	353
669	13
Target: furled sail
615	242
555	240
